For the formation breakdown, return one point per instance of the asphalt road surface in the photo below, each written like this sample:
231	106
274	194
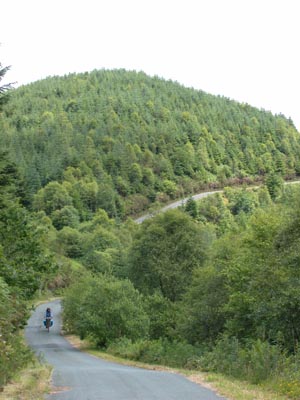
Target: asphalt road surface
177	204
182	202
80	376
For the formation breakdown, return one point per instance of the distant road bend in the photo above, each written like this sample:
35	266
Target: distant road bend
182	202
80	376
177	204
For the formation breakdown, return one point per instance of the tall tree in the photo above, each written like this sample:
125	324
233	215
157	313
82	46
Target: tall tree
4	88
165	252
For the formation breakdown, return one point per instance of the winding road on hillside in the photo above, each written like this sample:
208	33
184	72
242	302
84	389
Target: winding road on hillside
198	196
177	204
80	376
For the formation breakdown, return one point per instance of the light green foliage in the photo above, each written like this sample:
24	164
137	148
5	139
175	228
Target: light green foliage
169	188
13	354
95	148
191	208
113	134
70	242
9	181
135	176
105	244
163	315
161	351
66	216
255	361
25	262
244	304
28	264
274	184
214	209
100	239
4	88
100	244
105	309
227	210
101	250
241	200
164	253
255	280
264	198
53	197
202	315
255	271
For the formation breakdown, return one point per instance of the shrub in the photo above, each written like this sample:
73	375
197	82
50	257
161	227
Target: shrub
256	361
105	309
160	351
163	315
13	353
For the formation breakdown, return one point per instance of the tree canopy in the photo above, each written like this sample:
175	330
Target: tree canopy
84	153
121	140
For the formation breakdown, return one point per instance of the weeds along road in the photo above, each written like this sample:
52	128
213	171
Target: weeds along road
80	376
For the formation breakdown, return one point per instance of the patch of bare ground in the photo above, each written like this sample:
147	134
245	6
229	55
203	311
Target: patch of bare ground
200	380
59	389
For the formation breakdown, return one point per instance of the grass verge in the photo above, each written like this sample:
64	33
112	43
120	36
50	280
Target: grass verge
31	383
230	388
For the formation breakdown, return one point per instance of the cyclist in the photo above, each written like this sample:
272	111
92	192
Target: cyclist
48	318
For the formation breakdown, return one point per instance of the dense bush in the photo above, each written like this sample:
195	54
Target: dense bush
254	361
165	251
160	351
104	309
13	353
163	315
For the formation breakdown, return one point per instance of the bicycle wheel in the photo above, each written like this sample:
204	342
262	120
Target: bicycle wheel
48	324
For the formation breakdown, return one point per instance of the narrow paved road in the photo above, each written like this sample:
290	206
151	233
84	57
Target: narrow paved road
177	204
80	376
181	202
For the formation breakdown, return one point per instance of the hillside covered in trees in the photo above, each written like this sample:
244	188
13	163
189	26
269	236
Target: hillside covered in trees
121	140
212	286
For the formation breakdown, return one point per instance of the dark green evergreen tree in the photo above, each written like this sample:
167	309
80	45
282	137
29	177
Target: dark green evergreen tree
4	88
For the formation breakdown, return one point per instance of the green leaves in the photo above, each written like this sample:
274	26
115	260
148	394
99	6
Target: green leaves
53	197
9	179
4	88
105	309
27	264
202	316
164	253
13	354
249	286
155	137
274	183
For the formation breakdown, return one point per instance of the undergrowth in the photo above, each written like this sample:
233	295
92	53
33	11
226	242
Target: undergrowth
256	362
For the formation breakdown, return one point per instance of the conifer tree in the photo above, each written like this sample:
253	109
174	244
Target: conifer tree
4	88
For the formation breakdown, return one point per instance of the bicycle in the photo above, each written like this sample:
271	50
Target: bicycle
48	322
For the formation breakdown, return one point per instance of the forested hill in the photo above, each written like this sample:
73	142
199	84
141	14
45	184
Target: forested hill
120	140
214	286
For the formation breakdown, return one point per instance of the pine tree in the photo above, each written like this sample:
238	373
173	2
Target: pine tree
4	88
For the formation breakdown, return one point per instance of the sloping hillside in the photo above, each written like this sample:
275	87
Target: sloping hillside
123	140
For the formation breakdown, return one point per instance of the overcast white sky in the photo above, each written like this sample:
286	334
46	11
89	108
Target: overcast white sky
247	50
